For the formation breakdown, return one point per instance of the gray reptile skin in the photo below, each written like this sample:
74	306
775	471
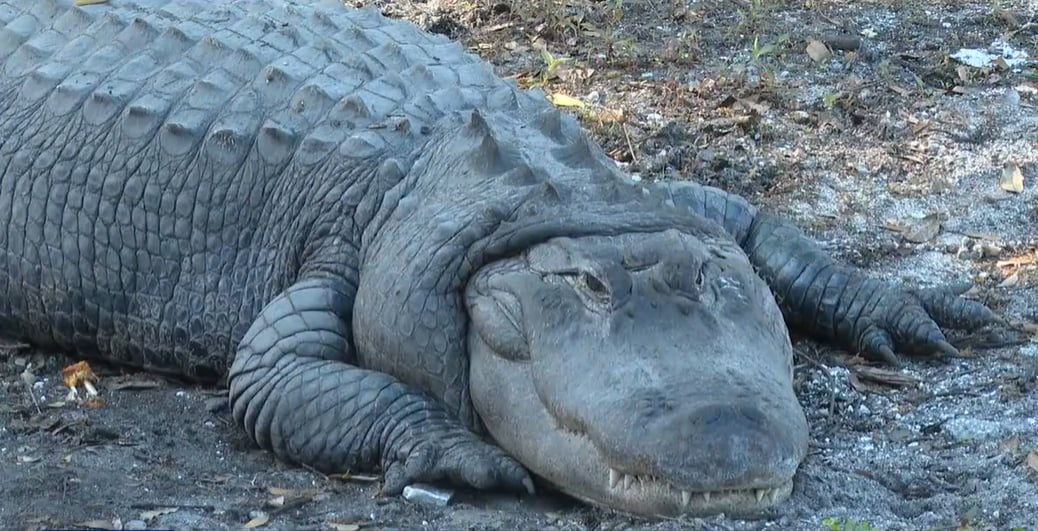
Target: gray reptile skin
398	260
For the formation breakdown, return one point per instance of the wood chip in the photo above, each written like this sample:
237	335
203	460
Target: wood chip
885	376
136	385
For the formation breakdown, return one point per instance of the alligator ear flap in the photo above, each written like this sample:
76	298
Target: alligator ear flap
496	318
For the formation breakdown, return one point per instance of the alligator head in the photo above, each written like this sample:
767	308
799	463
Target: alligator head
650	373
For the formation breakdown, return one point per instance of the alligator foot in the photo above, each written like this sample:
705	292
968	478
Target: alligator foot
911	321
459	458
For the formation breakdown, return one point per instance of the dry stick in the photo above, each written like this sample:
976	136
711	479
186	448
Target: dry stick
34	401
630	147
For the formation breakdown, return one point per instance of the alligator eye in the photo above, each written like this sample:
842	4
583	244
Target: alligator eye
595	286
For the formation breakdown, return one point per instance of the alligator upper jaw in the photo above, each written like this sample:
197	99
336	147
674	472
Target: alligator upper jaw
667	499
584	473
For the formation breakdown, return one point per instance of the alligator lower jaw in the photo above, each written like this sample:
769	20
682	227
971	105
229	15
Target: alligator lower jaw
669	500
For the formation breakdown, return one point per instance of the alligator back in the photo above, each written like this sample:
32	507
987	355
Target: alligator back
163	162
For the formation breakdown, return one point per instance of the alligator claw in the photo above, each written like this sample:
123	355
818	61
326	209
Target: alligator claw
911	321
471	463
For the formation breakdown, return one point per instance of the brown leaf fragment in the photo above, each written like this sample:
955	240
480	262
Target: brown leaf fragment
1012	178
1032	461
818	51
78	373
1008	17
899	89
753	106
607	116
922	229
1010	281
1010	445
258	520
859	385
963	72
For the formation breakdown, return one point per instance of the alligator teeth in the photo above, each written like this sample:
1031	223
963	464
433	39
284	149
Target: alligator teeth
614	478
760	494
706	496
774	495
628	480
686	498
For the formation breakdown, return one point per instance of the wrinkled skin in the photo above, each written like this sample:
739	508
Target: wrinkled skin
666	411
398	261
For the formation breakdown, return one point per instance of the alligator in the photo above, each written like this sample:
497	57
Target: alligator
397	261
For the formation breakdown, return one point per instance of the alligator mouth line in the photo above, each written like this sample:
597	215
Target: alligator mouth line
669	499
644	486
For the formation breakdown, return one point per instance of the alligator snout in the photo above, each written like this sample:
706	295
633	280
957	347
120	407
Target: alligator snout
706	446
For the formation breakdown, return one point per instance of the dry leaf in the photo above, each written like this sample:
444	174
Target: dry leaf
148	515
1010	445
900	90
608	115
1012	178
922	230
1017	261
78	374
1032	460
818	51
28	459
963	72
262	519
564	100
1010	18
278	491
1010	281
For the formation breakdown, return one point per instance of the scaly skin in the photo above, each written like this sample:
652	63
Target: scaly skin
386	249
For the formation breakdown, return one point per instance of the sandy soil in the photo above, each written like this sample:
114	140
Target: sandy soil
890	154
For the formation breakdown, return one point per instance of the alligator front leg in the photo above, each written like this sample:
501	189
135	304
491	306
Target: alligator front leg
829	300
295	392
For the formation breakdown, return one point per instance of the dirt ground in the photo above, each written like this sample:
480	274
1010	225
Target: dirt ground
848	117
